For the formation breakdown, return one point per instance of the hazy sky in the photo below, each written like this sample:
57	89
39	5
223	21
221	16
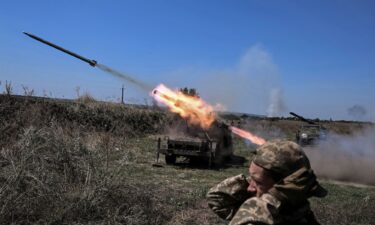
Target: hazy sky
316	58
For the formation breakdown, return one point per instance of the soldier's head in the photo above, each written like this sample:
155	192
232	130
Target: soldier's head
274	161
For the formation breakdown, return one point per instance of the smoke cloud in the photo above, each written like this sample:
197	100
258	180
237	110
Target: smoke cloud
253	85
357	111
346	158
277	104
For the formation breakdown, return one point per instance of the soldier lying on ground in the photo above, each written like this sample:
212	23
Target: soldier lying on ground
276	192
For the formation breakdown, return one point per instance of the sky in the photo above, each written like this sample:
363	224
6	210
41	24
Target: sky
315	58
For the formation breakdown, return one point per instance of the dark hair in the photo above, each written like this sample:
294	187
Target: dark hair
275	176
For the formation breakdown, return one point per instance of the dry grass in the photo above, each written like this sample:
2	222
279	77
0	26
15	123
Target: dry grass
90	163
198	214
61	163
53	177
86	98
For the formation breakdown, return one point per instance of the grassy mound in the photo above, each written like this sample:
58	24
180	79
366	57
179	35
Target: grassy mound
53	177
88	162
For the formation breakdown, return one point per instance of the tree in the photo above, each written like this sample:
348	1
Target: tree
189	91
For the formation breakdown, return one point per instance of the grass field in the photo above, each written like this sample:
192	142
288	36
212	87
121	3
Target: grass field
92	163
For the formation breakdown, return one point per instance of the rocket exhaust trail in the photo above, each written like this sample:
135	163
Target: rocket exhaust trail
93	63
124	76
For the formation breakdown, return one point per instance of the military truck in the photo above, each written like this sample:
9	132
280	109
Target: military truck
213	146
310	133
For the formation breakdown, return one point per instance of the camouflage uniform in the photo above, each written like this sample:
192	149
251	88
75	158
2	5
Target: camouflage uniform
285	203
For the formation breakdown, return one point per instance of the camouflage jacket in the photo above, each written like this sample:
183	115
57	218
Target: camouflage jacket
231	201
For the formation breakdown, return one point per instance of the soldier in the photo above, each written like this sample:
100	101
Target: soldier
276	192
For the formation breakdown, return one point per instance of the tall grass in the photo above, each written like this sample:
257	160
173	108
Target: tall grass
51	176
88	162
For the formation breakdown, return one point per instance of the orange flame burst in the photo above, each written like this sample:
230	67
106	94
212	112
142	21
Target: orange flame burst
247	135
194	109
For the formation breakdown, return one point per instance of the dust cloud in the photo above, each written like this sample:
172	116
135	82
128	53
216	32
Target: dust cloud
345	158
